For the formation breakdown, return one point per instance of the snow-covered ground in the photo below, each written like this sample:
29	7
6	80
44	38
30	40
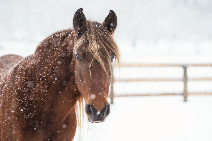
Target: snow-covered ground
165	118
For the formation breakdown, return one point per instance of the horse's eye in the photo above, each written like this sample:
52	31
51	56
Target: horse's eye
79	57
112	56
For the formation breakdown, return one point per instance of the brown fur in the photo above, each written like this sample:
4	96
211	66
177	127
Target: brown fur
7	62
39	94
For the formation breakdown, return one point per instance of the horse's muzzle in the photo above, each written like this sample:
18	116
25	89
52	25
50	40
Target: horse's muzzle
96	116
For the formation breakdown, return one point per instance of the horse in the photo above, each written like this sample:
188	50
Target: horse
39	93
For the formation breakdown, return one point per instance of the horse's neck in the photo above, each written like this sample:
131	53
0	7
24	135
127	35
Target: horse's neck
53	58
53	71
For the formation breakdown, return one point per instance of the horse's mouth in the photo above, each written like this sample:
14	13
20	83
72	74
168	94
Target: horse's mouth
95	121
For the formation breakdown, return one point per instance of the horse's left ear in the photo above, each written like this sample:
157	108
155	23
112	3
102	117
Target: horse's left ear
79	22
110	22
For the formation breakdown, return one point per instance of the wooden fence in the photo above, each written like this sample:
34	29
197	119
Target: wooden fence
185	79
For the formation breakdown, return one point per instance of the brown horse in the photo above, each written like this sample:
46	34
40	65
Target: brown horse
39	94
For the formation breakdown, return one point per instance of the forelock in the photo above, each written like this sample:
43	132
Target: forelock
100	43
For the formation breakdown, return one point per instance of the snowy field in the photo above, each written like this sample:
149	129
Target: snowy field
165	118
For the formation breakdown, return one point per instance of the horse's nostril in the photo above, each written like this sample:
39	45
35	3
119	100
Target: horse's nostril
107	110
90	110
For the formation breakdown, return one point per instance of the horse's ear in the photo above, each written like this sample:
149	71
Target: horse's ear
79	22
110	22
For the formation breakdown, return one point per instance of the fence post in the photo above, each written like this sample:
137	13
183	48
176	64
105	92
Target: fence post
185	79
111	88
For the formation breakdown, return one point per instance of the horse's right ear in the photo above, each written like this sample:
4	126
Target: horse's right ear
79	22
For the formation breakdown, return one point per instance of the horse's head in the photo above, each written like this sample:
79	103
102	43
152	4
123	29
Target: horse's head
94	52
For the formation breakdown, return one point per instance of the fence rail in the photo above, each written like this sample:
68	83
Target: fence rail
184	78
160	65
161	79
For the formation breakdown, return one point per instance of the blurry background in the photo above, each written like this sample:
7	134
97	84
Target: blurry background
148	31
166	27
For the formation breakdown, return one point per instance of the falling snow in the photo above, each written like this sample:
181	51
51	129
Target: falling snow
93	96
64	126
157	36
59	62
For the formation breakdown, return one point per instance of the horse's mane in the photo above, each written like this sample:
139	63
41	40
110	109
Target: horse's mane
100	43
